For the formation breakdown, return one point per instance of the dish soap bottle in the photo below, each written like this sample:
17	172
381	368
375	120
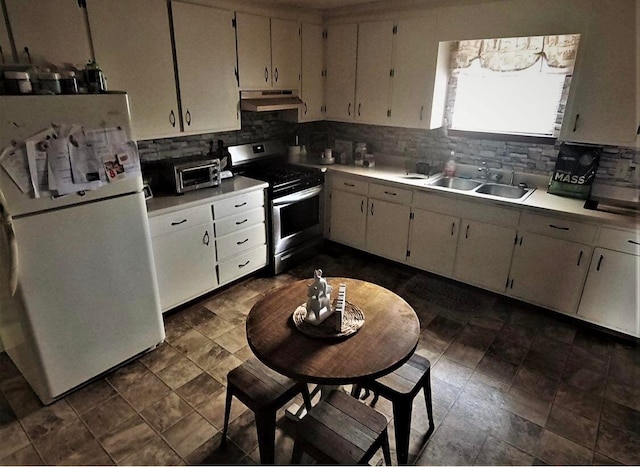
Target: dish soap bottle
450	166
303	153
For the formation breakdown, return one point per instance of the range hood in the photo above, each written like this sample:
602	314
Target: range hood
268	101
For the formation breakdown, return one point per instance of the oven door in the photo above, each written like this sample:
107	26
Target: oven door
297	218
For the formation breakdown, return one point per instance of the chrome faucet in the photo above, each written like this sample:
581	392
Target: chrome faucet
513	174
485	171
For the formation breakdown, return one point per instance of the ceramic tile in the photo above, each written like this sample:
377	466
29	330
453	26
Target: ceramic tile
210	357
572	426
175	325
621	417
89	454
543	365
13	438
502	347
453	443
624	393
601	459
59	444
181	372
165	412
579	401
556	450
551	349
244	354
6	412
242	431
585	379
48	418
197	315
20	396
108	415
557	329
127	438
532	382
444	393
147	390
224	366
189	433
464	354
233	340
213	409
128	375
199	389
211	453
498	368
156	452
498	452
517	431
215	327
191	342
451	372
527	406
619	445
23	456
90	396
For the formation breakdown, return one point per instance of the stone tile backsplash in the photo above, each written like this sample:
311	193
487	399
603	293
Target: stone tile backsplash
433	146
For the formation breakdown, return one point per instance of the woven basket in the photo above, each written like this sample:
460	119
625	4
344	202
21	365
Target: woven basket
352	321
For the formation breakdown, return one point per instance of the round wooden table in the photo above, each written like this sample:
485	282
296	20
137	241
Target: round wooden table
385	341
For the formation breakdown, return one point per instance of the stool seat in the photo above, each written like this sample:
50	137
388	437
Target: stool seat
263	391
401	387
341	430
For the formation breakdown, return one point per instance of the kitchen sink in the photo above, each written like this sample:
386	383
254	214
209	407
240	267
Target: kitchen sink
503	191
456	183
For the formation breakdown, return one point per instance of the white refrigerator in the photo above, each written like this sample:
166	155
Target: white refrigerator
78	292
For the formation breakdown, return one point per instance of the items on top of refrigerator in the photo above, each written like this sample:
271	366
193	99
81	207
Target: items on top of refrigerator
69	158
21	79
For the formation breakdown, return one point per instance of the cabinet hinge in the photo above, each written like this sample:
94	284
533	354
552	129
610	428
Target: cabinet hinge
392	72
395	29
515	240
411	214
325	34
82	4
389	113
506	284
408	253
234	22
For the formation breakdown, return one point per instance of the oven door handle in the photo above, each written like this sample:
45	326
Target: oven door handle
299	196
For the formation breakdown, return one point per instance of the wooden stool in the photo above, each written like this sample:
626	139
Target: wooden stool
401	387
264	391
341	430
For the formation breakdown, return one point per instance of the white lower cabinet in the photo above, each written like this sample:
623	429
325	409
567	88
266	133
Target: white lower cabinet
611	295
484	254
387	229
548	271
348	218
432	242
184	255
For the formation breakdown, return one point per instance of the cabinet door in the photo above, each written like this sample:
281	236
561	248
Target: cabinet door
206	60
348	218
6	55
285	54
185	264
611	294
548	271
373	75
55	32
415	53
610	43
342	43
312	84
432	243
254	51
132	41
484	254
387	229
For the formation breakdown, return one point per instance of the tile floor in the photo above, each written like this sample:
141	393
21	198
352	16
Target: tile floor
512	384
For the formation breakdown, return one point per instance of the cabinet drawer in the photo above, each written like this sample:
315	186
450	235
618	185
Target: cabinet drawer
558	228
241	203
390	193
242	240
620	240
242	265
351	185
239	221
179	220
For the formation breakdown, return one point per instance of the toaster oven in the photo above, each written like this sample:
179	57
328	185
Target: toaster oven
190	173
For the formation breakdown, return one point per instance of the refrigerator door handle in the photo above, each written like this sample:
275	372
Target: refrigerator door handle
13	254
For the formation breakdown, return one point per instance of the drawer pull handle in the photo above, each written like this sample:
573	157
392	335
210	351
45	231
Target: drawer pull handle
205	239
243	265
349	109
390	193
579	258
362	206
453	228
348	184
242	222
558	227
172	119
372	209
243	241
599	263
240	205
180	222
575	123
633	242
466	233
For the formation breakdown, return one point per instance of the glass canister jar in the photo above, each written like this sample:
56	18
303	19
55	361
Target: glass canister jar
68	82
17	82
358	154
49	83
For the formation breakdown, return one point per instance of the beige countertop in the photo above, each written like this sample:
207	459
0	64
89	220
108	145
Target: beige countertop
539	200
229	187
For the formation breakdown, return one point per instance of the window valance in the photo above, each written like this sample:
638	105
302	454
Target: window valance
517	53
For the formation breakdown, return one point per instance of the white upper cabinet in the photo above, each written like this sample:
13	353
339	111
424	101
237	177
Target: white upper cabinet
342	45
373	75
602	106
416	75
54	31
268	52
132	42
312	83
206	62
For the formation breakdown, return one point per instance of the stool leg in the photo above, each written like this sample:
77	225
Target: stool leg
306	396
427	400
386	452
266	427
355	391
402	422
227	412
296	456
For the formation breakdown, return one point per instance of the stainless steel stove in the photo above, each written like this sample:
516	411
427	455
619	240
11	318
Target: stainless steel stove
295	197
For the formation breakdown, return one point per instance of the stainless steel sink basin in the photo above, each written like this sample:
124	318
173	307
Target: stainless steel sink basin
504	191
456	183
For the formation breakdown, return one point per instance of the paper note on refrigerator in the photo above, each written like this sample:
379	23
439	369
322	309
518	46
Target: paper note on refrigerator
15	163
36	147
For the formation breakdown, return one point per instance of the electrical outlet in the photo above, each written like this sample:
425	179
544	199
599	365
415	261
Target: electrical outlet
623	169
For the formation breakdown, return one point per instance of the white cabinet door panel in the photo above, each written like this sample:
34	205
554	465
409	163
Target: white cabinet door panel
433	240
254	51
312	84
387	229
285	54
342	43
348	218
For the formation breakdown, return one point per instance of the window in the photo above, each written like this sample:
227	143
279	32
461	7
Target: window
513	85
